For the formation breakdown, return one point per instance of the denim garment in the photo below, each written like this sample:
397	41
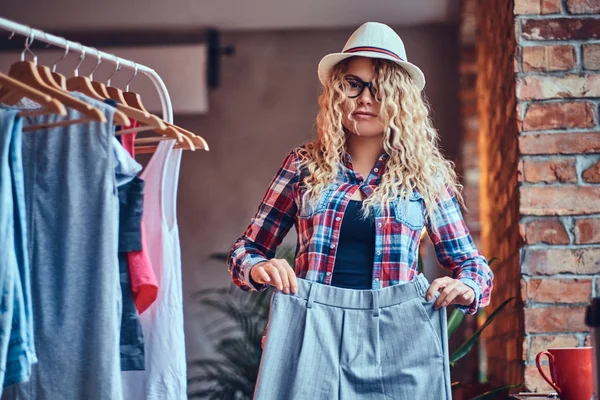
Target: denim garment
18	354
71	175
131	199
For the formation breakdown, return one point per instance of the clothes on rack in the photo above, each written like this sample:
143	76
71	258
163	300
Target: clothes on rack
162	323
130	219
143	278
131	205
80	280
71	178
17	347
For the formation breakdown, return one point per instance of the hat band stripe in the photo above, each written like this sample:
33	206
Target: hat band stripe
373	49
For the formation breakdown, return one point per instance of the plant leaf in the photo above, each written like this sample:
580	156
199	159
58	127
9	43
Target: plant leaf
468	344
494	392
491	260
454	321
218	256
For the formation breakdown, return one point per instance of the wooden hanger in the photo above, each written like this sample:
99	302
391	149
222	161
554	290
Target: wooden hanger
149	121
49	104
192	140
48	78
27	73
83	84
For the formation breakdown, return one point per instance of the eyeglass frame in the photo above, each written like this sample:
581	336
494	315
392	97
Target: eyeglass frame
363	84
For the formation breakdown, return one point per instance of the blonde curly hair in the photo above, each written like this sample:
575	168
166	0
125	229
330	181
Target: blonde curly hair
415	161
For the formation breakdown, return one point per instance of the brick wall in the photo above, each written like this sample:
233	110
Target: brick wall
558	91
538	88
499	161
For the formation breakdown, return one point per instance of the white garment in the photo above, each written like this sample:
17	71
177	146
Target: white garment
162	324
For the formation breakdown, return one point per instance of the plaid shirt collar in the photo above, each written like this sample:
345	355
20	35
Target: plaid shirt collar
372	181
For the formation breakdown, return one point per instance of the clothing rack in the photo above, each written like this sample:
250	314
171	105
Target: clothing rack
165	100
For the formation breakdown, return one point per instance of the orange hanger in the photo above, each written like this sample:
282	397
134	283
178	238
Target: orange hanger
192	141
140	115
50	105
83	84
26	72
59	78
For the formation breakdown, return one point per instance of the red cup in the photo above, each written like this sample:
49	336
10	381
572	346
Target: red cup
570	370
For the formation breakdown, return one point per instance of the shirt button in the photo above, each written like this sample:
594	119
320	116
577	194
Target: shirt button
378	252
337	218
376	279
328	273
332	246
376	170
379	224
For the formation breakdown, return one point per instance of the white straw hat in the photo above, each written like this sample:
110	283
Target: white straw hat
373	40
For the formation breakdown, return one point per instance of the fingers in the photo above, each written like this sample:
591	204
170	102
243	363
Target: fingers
436	285
292	278
448	295
283	275
259	274
276	272
273	272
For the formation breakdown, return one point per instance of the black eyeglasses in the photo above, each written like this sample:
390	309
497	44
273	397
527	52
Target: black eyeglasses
357	86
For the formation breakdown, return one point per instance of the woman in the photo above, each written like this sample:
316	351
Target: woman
353	318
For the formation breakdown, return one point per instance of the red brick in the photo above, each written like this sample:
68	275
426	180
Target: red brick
555	319
558	261
555	170
556	87
560	28
587	230
592	174
541	343
536	7
534	381
583	6
591	56
549	231
559	290
560	200
548	58
560	143
541	116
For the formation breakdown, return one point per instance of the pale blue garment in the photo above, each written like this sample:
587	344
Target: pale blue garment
8	261
71	178
330	343
18	355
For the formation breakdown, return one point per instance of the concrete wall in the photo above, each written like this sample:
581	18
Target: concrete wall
266	105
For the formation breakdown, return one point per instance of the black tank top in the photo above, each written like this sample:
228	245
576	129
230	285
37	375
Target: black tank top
353	267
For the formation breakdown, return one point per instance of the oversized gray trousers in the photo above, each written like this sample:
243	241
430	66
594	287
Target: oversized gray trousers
329	343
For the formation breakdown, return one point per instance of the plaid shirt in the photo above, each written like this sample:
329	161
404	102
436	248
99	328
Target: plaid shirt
398	230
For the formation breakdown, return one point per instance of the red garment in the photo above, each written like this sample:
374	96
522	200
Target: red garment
144	284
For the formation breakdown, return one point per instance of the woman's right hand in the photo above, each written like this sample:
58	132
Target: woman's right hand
275	272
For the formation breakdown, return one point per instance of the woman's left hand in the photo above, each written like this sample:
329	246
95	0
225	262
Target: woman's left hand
452	291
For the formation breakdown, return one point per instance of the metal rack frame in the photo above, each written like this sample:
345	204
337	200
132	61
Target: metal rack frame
165	100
